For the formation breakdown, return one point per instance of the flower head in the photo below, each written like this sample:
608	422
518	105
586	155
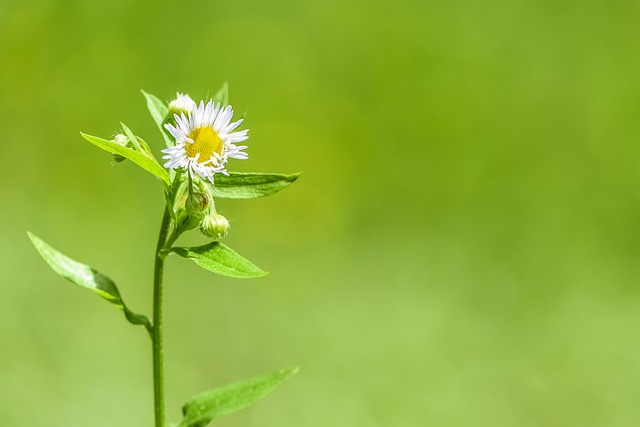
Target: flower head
205	140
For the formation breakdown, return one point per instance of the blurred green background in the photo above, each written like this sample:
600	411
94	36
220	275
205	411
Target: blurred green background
461	250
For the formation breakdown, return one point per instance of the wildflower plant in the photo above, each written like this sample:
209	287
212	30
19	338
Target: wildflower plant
200	140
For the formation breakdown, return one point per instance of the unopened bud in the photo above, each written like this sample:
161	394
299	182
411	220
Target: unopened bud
182	104
214	225
197	204
120	139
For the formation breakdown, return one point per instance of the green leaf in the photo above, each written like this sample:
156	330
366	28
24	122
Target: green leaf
169	201
222	95
250	185
220	259
204	407
159	112
134	140
85	276
148	163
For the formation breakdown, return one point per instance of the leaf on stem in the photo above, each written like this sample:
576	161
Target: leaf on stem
201	409
159	112
222	95
87	277
250	185
220	259
148	163
139	143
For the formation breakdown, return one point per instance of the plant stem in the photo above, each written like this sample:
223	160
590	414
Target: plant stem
158	364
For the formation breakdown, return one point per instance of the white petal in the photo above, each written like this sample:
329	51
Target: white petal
232	126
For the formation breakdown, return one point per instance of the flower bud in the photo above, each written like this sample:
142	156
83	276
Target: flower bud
183	104
197	204
214	225
120	139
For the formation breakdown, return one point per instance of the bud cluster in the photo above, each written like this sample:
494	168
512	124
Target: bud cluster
199	210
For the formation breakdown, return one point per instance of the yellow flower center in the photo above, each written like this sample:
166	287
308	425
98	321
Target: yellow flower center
205	142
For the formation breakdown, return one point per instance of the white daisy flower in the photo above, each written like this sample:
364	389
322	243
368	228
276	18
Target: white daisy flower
182	104
205	140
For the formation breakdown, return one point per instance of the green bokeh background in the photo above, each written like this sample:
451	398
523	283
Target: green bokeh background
461	250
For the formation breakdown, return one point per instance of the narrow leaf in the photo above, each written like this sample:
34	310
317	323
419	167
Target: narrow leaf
132	138
148	163
177	198
203	408
87	277
168	200
220	259
250	185
222	95
159	112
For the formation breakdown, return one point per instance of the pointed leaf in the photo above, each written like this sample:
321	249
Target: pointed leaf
85	276
222	95
134	140
148	163
168	200
250	185
203	408
159	112
220	259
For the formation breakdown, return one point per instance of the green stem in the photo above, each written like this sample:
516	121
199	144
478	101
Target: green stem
158	364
